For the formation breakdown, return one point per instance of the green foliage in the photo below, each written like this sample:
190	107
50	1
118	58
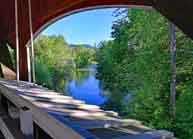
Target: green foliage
44	75
137	62
84	56
12	57
184	114
53	61
56	61
184	109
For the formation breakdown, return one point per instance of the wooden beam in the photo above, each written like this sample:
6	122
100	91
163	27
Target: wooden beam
26	122
23	63
177	11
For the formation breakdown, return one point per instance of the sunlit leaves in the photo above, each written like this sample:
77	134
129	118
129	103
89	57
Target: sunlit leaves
137	62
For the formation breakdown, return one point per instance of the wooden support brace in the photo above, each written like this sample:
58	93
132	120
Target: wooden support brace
13	111
23	63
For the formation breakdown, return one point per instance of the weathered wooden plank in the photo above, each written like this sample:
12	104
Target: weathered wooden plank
70	106
43	98
43	104
53	127
54	100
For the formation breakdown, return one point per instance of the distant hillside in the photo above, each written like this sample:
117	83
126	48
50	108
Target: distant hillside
85	45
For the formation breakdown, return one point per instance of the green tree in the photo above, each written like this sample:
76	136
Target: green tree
83	56
53	61
56	62
137	62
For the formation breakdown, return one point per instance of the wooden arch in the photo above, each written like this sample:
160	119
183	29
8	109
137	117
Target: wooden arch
45	12
55	19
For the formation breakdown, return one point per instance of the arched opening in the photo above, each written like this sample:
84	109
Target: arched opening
62	15
151	62
144	50
83	80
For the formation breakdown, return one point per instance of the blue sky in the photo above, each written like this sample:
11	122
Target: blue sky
88	27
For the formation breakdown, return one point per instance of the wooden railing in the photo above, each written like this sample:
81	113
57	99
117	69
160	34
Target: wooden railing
28	111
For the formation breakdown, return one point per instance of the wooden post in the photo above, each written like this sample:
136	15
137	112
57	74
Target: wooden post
173	70
26	123
22	30
23	63
4	103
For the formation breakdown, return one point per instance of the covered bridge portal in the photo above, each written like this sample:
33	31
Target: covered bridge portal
44	11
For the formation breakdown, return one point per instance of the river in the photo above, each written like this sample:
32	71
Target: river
85	86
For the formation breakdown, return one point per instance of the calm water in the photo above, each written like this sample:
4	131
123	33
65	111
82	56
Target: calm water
86	87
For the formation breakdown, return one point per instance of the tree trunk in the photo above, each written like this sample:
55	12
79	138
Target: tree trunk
173	70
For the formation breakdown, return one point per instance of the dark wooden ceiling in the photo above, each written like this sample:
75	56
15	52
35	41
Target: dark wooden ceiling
43	11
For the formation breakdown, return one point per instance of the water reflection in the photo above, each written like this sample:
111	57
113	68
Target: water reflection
85	86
